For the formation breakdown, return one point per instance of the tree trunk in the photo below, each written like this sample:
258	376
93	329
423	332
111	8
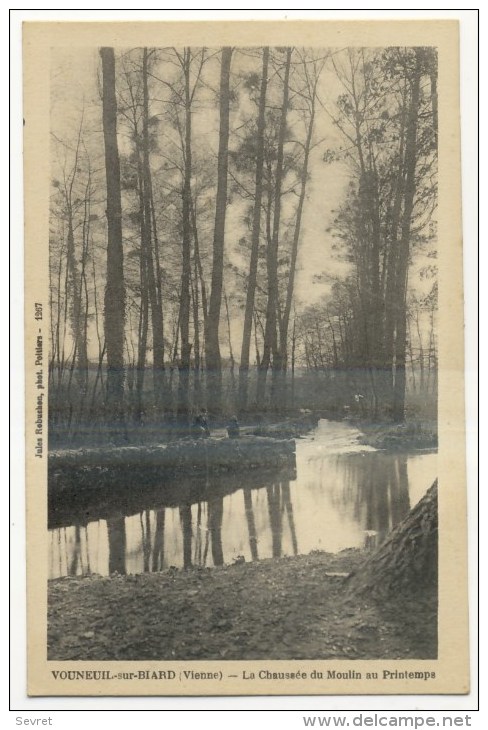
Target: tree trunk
185	295
212	348
407	561
265	361
199	346
144	303
156	313
272	260
433	93
231	398
195	299
198	261
285	321
404	250
83	308
115	288
256	228
392	273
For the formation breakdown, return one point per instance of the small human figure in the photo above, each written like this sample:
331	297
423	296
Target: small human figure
200	425
196	430
233	430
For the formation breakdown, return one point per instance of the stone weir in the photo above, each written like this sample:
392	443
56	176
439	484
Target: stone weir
84	484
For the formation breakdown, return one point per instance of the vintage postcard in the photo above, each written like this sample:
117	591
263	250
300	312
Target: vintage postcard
244	359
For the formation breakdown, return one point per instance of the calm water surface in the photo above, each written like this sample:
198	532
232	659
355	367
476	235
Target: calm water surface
345	495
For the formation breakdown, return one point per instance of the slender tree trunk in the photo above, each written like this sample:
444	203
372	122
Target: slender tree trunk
73	293
232	390
272	259
293	348
83	314
115	288
411	358
197	390
156	313
144	301
376	299
433	94
404	253
285	321
101	344
83	349
74	284
392	271
270	321
198	261
212	347
199	333
421	351
256	228
185	295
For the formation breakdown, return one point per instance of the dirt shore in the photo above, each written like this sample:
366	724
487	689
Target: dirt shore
410	436
286	608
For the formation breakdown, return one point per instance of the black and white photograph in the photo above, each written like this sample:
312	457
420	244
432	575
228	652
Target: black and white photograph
237	362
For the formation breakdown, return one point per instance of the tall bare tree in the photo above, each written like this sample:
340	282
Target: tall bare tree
115	287
309	97
256	228
270	345
405	243
212	346
151	247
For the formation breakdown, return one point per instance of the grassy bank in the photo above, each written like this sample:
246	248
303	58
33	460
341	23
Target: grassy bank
408	436
287	608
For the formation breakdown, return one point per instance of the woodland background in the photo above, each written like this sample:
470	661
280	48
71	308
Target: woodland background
246	230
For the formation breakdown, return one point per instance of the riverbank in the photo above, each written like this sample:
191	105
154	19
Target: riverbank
285	608
408	436
166	431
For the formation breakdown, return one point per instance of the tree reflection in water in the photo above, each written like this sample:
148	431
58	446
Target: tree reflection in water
341	500
275	522
186	526
285	489
200	531
215	507
158	551
251	524
76	554
116	544
145	521
376	486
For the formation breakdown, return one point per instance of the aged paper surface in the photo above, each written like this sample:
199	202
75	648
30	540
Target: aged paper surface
65	195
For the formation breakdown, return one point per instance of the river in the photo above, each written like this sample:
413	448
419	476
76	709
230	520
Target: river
345	495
